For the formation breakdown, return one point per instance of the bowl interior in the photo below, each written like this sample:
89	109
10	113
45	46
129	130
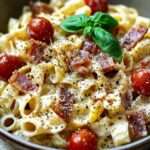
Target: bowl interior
13	8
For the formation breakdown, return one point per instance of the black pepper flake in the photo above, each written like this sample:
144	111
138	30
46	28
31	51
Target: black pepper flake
87	107
117	82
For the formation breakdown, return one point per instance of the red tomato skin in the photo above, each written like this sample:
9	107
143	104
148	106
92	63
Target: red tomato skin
8	64
97	5
40	29
84	139
141	81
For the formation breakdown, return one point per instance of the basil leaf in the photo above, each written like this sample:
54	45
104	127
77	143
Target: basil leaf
87	31
104	20
107	43
74	23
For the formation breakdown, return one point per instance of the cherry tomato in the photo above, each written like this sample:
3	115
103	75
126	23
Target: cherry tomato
40	29
8	64
141	81
97	5
84	139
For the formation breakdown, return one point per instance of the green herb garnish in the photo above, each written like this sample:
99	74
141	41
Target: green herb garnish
98	27
74	23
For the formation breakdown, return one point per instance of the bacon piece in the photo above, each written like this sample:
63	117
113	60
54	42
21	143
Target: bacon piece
107	64
85	54
22	83
137	124
90	46
128	98
145	63
39	7
82	61
134	35
64	106
36	51
81	64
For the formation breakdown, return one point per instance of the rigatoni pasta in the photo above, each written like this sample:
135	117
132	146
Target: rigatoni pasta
76	69
49	122
10	122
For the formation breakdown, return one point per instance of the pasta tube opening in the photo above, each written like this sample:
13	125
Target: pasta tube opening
30	106
29	127
9	122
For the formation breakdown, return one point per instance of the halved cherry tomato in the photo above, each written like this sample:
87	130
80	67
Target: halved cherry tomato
141	81
97	5
40	29
8	64
84	139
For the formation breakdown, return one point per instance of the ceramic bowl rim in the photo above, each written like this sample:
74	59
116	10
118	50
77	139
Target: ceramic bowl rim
26	144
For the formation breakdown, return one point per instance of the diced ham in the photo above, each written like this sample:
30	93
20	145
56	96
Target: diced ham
39	7
22	83
137	124
107	63
64	106
36	51
134	35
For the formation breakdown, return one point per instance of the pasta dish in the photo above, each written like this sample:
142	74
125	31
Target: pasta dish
75	75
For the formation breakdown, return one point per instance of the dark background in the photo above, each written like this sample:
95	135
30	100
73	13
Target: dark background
13	8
